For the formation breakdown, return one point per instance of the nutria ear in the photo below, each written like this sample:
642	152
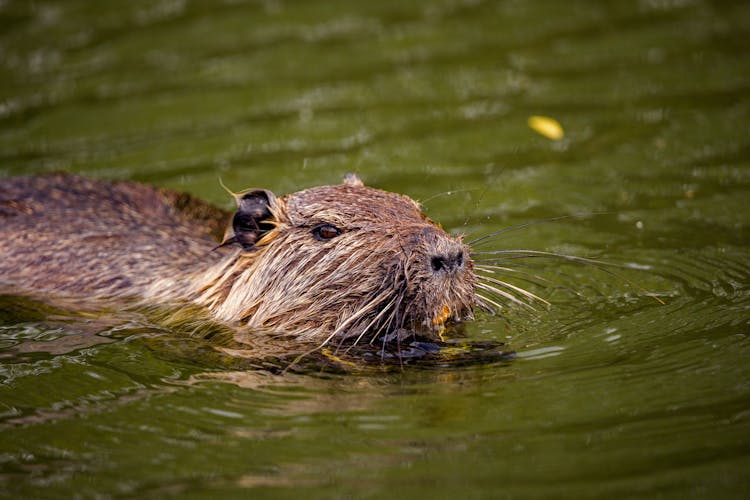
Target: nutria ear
353	180
253	218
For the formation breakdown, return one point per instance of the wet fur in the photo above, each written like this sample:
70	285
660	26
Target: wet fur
72	236
69	236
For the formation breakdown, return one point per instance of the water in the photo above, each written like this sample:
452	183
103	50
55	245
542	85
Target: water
630	385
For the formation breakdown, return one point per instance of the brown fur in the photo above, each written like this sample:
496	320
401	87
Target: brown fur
385	269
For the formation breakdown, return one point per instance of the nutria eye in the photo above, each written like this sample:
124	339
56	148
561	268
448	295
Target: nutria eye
325	232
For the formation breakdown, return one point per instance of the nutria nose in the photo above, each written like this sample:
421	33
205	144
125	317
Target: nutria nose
448	263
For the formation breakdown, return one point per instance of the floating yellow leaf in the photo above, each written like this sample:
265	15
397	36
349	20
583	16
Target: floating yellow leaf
546	126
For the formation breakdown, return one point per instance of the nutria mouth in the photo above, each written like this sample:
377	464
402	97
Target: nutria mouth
343	261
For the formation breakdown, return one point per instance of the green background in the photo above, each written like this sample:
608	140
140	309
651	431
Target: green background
612	393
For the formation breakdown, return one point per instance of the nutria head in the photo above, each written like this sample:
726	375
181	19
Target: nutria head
345	261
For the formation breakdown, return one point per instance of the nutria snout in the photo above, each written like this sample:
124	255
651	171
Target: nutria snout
341	261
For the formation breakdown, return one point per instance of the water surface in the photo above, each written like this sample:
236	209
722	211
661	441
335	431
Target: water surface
635	383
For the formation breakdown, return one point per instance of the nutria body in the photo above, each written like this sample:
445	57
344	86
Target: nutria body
342	261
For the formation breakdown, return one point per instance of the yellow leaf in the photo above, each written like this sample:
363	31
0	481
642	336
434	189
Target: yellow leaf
546	126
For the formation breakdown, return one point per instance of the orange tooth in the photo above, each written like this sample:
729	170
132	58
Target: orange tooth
441	318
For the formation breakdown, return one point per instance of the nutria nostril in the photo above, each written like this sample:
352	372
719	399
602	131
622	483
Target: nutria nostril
438	263
447	262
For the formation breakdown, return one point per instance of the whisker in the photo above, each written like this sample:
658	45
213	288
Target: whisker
497	307
504	294
528	269
523	292
518	253
374	320
399	326
391	319
597	264
484	239
365	309
384	327
535	279
524	276
491	269
479	302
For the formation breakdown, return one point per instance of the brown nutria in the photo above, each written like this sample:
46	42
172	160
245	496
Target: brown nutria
344	261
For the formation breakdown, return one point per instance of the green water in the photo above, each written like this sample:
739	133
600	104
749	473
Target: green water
635	385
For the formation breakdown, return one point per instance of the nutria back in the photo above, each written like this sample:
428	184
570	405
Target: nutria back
345	261
69	235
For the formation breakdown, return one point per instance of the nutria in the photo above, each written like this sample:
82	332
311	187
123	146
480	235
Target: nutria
345	261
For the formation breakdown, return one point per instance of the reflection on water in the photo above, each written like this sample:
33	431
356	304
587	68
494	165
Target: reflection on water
634	382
